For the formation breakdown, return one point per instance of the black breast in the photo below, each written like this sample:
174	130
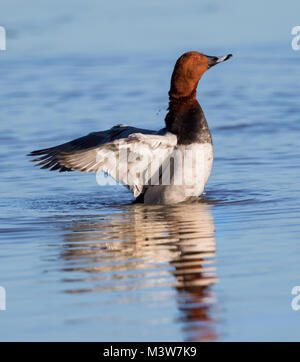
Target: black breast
186	119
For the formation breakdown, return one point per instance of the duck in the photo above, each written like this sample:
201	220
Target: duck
166	166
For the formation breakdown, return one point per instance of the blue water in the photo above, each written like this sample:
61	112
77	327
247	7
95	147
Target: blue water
79	261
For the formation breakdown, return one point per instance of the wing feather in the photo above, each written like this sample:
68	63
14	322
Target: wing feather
123	152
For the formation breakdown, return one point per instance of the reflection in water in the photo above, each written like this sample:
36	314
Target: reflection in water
150	247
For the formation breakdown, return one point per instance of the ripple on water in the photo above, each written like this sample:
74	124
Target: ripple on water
147	248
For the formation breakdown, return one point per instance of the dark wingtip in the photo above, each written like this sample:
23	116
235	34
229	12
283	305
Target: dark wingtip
31	154
47	158
39	152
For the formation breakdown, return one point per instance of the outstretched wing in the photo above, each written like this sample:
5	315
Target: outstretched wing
49	157
130	155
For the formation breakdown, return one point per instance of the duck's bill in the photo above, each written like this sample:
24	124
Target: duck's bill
216	60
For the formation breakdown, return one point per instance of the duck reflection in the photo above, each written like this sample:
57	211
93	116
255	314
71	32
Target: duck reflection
141	246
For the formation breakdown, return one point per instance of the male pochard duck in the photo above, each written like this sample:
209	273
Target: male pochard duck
160	167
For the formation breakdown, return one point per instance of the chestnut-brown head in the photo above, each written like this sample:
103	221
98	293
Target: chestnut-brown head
188	70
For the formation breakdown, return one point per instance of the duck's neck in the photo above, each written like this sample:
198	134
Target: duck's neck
186	119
